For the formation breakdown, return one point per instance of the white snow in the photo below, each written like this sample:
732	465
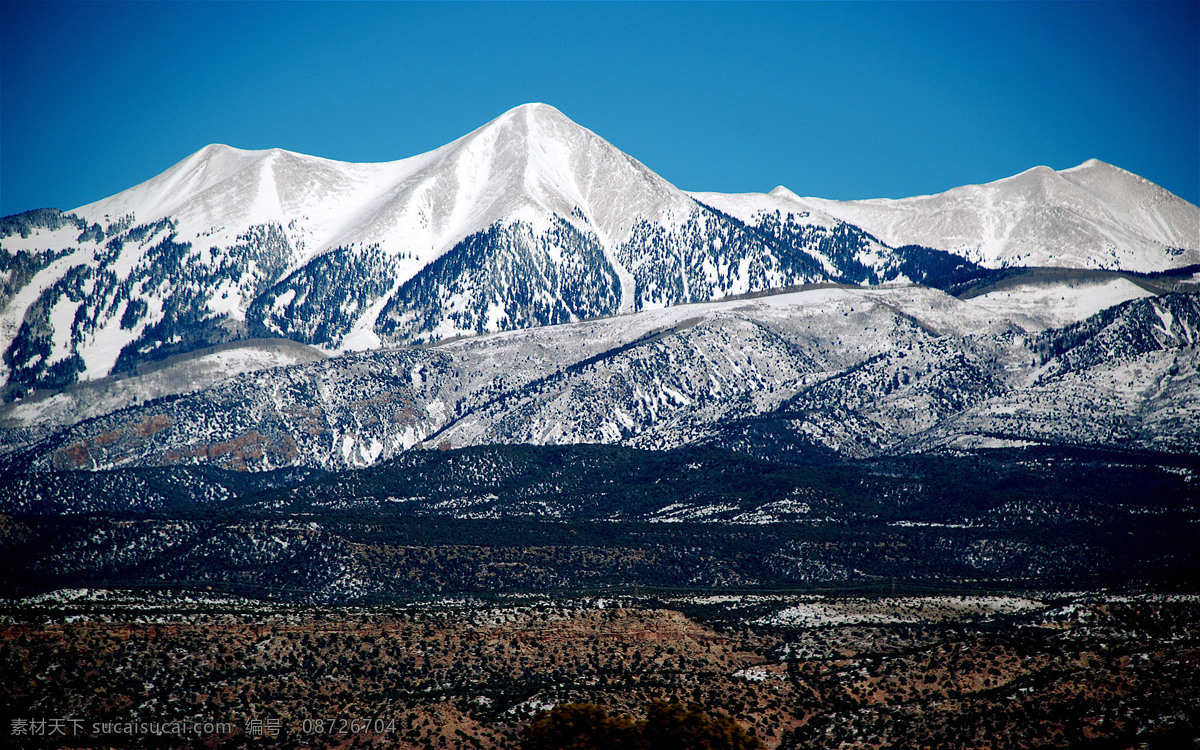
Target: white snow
283	300
1167	320
530	162
190	373
1094	215
849	611
534	164
62	315
14	312
1053	305
101	350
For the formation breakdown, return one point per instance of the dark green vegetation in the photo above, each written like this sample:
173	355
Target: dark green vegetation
506	263
586	726
584	518
337	285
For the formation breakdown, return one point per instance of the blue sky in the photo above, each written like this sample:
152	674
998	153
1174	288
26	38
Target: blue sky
838	100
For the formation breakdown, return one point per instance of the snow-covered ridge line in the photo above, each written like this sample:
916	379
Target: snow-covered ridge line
526	221
1094	215
424	203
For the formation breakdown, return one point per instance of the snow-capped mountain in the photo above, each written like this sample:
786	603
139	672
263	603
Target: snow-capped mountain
1094	215
530	164
529	220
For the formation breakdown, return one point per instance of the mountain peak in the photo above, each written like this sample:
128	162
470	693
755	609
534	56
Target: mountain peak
550	222
210	150
526	119
1094	215
533	109
1091	164
535	157
1097	171
520	128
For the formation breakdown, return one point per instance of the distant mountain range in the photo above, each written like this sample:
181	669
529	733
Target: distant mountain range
529	220
1094	215
557	291
525	362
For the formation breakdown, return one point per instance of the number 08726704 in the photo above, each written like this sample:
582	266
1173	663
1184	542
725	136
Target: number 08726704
348	726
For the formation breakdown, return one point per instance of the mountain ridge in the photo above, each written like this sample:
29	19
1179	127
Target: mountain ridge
529	220
851	372
509	144
1093	215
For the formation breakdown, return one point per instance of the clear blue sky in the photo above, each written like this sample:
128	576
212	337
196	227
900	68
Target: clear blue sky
839	100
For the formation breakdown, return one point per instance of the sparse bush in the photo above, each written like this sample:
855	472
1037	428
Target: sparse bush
667	726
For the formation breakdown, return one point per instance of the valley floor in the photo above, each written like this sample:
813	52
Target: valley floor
170	669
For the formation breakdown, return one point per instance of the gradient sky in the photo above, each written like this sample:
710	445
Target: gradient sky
839	100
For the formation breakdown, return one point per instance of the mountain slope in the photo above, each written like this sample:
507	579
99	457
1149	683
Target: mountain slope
1094	215
818	374
530	220
527	221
